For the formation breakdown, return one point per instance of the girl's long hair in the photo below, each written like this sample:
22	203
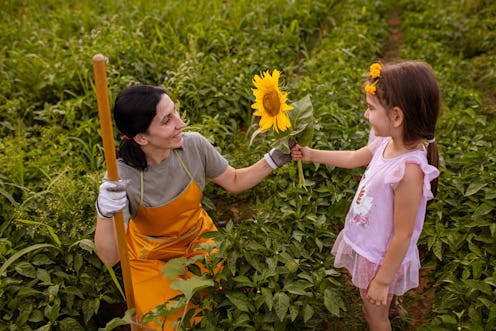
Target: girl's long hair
413	87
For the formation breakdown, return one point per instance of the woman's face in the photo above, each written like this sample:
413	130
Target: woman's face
165	130
378	116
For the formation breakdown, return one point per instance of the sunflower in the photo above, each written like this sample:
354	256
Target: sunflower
270	102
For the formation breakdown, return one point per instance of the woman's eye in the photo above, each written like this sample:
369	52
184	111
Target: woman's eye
166	119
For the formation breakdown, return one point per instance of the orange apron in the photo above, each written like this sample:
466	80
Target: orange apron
159	234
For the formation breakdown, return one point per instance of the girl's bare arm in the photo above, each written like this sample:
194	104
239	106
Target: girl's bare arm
407	198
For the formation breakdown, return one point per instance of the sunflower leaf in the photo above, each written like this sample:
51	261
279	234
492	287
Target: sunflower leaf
301	117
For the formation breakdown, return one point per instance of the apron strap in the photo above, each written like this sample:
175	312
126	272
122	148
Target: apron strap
142	179
184	166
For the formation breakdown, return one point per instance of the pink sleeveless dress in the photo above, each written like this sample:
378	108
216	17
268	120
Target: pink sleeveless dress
361	246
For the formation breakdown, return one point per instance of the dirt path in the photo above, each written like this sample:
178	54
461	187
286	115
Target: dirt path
392	50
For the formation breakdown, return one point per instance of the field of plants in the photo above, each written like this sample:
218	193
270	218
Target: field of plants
274	239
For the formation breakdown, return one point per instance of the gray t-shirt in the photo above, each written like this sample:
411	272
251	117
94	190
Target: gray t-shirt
165	181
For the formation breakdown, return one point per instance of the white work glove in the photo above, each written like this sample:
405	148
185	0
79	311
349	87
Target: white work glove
276	159
112	198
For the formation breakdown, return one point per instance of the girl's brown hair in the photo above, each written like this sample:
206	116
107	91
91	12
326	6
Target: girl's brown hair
413	87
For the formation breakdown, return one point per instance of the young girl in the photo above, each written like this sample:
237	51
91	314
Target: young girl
378	243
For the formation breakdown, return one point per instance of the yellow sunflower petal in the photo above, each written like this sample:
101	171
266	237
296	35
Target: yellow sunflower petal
270	102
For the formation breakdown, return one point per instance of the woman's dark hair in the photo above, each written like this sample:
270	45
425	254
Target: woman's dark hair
413	87
134	109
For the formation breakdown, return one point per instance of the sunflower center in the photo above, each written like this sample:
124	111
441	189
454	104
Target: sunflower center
271	103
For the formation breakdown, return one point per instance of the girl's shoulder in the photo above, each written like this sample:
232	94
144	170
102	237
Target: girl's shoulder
413	166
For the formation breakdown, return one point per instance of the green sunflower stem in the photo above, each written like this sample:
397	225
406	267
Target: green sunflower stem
301	177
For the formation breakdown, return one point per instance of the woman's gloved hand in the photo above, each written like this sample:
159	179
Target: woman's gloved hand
276	159
111	198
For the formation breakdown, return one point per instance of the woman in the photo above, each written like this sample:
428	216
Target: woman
162	173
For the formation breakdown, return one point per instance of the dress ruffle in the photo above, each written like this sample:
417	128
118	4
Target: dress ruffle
363	271
430	172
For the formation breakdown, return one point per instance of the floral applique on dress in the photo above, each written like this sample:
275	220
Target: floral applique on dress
361	207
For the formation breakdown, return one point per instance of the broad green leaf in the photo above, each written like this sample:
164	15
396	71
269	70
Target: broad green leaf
175	267
477	268
281	305
298	287
86	244
482	210
448	319
28	291
191	285
240	301
90	308
70	324
291	265
44	276
51	312
293	312
26	269
36	316
78	262
333	301
437	249
474	188
301	117
479	285
53	290
41	259
491	281
20	253
492	314
116	322
242	321
308	312
24	312
267	295
244	281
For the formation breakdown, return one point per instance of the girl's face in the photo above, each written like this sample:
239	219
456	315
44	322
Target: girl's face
165	130
379	117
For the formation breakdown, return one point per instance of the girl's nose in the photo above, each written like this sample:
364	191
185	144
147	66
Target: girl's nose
366	114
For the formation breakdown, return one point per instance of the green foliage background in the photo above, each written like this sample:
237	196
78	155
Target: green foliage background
279	272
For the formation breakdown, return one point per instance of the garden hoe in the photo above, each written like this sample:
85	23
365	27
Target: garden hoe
110	161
